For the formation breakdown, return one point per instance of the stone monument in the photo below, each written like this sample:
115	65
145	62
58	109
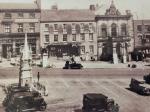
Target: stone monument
25	75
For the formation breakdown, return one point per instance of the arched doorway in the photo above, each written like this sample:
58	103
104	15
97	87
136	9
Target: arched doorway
119	51
106	52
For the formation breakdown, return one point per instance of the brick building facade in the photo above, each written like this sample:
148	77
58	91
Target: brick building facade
15	20
69	32
142	37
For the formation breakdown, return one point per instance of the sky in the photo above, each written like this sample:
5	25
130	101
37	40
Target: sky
139	8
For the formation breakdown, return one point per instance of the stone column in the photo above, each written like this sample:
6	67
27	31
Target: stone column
37	46
115	57
14	48
0	52
124	54
100	49
45	62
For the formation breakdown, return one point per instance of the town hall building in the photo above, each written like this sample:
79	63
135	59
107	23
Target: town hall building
114	35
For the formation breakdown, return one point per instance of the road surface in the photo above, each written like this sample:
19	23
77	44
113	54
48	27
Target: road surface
66	87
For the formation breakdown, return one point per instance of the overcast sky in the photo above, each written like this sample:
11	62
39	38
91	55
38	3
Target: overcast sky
139	8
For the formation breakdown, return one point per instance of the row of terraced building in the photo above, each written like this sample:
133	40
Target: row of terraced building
111	36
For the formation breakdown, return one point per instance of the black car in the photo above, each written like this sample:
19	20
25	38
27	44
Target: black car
21	100
95	102
147	78
139	87
72	65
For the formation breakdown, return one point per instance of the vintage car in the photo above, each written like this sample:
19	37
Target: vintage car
11	90
72	65
26	102
93	102
147	78
139	87
20	99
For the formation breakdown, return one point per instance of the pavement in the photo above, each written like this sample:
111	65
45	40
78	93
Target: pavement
59	63
100	64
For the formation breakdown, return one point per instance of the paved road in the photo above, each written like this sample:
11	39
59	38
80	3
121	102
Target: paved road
66	87
49	72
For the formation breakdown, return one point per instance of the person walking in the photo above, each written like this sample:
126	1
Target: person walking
38	76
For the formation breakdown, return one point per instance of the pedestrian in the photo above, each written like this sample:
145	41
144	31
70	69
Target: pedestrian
38	76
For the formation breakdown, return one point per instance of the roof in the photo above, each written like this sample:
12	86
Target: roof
12	6
67	15
95	96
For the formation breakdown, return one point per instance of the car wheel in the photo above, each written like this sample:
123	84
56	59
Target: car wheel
42	108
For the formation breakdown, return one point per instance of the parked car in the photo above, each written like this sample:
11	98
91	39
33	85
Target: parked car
93	102
72	65
139	87
147	78
20	99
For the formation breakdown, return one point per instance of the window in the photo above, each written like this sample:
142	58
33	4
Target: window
7	28
82	25
73	37
123	29
147	28
114	30
46	38
55	38
147	37
82	49
91	36
65	37
8	15
20	14
139	27
82	36
104	30
64	26
47	27
73	26
32	15
91	48
90	25
32	27
20	27
55	26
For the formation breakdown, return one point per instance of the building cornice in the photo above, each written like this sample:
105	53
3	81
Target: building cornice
98	17
68	21
18	34
20	10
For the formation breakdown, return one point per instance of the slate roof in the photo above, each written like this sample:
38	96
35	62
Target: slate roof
12	6
67	15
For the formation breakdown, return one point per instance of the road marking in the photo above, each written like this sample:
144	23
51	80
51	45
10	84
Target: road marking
82	83
122	89
105	88
65	83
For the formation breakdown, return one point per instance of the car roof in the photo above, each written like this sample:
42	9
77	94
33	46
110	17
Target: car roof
22	94
94	96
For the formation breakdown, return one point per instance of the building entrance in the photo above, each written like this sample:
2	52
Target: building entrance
63	50
6	50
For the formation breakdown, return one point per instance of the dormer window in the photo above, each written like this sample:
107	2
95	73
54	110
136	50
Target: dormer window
7	15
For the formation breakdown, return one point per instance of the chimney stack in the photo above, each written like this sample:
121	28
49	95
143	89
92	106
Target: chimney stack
128	12
54	7
92	7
